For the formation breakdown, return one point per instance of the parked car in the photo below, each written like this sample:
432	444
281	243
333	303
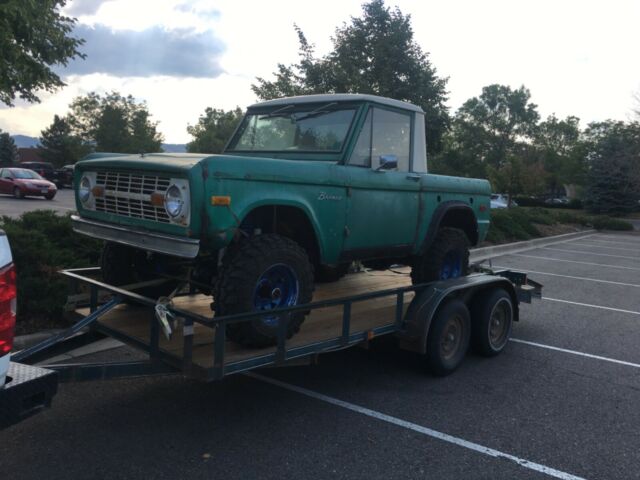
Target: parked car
64	176
557	201
8	296
44	169
21	182
501	200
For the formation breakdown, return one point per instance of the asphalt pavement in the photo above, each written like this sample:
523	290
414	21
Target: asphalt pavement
62	203
562	401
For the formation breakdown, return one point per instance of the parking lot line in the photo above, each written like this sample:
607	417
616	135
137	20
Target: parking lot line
575	261
591	253
608	248
588	279
609	241
620	237
592	306
575	352
552	472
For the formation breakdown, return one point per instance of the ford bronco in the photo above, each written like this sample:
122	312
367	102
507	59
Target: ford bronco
305	186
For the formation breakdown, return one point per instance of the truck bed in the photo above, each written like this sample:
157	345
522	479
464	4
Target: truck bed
132	324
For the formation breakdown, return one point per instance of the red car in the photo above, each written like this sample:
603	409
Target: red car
20	182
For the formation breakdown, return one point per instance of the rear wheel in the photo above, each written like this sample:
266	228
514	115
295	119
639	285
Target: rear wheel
263	273
492	320
447	257
18	193
50	196
448	339
123	265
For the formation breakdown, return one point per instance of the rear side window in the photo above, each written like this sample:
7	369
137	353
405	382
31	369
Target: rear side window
384	133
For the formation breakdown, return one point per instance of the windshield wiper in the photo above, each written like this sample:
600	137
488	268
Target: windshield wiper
277	113
318	111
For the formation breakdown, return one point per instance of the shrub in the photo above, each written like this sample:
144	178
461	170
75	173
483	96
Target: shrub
43	243
608	223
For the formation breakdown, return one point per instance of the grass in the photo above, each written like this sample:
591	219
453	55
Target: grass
524	223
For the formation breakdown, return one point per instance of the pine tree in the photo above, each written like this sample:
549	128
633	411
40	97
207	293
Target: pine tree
8	150
59	145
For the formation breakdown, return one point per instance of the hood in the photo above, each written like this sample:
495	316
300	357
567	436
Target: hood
169	162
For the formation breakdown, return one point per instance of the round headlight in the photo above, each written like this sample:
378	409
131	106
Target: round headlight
173	201
84	192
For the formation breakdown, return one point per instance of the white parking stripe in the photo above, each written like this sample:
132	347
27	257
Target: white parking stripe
552	472
574	352
602	246
620	237
592	306
574	261
591	253
592	239
576	278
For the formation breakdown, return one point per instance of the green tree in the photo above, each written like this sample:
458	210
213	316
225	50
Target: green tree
213	130
561	151
34	36
114	123
8	150
59	145
613	159
376	54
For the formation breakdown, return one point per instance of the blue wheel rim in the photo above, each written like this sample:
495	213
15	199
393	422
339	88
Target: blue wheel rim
277	287
452	266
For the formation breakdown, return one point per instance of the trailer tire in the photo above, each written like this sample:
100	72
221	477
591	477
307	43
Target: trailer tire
448	339
447	257
492	319
264	272
123	265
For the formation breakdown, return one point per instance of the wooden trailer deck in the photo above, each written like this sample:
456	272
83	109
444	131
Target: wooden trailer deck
320	325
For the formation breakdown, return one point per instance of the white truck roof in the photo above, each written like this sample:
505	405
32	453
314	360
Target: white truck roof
339	97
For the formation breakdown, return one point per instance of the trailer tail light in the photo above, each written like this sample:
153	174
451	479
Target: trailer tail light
8	301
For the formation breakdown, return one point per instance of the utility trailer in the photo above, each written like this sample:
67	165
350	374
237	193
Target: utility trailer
438	320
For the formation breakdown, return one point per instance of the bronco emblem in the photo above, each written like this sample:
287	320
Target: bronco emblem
328	196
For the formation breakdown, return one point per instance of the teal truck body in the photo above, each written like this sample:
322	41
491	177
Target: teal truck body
333	178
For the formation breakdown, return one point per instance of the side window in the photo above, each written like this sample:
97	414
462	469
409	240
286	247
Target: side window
6	173
361	155
391	134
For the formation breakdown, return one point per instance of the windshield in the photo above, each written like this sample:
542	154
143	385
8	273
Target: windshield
312	130
26	174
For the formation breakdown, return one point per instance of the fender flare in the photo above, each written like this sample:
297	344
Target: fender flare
436	219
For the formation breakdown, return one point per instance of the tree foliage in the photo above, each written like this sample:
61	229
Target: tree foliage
613	159
34	37
59	145
376	54
8	150
114	123
213	130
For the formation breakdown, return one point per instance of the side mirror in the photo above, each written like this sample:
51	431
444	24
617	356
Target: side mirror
388	162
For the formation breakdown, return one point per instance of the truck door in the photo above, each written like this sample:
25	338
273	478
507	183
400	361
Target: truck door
382	203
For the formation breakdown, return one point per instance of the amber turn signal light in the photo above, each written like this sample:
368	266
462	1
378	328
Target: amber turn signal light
217	200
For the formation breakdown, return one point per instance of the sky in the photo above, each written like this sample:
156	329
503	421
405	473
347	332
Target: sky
577	57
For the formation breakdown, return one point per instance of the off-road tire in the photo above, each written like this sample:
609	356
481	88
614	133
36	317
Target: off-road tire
427	268
440	360
123	265
237	278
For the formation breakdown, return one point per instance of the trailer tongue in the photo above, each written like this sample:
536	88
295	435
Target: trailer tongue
438	320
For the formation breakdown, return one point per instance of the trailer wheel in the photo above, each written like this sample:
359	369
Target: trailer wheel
448	257
122	265
263	273
448	338
492	321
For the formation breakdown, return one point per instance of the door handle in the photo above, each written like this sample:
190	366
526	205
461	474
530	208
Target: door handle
414	176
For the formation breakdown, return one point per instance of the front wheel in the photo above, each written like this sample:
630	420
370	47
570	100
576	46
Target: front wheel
447	257
50	196
263	273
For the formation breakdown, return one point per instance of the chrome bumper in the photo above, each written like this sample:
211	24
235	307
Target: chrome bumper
154	242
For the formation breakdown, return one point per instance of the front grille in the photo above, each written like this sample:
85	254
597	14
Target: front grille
129	195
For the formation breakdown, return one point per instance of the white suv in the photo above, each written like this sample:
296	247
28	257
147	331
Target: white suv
7	305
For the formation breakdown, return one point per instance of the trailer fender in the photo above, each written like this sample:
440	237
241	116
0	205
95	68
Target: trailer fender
417	320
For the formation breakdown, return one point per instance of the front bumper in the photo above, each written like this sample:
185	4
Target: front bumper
154	242
28	391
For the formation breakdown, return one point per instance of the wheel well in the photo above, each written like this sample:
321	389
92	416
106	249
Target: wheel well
290	222
463	219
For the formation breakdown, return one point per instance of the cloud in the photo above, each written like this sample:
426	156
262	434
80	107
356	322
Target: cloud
85	7
151	52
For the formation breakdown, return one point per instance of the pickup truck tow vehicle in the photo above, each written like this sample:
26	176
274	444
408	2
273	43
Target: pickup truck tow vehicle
305	186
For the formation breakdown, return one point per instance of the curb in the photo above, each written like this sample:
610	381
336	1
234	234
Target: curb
485	253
